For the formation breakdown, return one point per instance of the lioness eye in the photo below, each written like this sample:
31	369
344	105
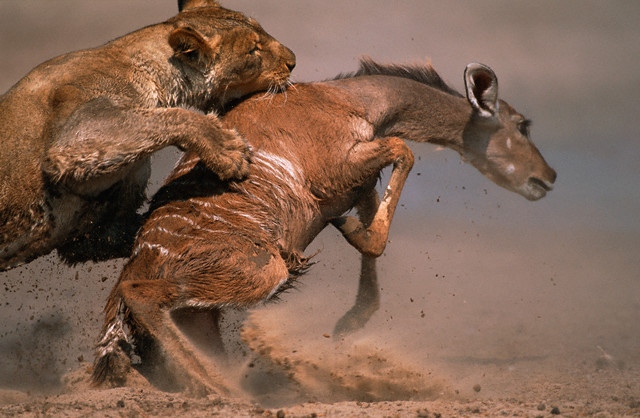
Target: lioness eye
256	49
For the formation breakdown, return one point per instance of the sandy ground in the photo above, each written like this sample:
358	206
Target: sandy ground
490	305
576	395
427	356
304	375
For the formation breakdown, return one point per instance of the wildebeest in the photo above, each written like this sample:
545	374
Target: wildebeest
318	152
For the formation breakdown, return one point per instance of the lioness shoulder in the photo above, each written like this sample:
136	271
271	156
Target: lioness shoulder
77	131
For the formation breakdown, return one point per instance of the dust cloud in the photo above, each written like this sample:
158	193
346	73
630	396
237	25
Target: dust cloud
327	370
458	320
483	294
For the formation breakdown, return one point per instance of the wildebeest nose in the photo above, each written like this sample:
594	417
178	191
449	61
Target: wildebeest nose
553	176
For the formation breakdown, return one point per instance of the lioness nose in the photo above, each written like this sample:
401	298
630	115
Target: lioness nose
291	59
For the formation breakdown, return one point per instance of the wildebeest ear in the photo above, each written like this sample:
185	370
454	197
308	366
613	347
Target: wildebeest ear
193	48
482	89
192	4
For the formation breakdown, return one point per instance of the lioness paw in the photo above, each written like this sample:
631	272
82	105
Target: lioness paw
231	158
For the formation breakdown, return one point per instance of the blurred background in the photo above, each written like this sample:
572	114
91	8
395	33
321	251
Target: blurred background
474	275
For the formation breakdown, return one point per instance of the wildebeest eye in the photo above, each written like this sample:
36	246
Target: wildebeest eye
523	127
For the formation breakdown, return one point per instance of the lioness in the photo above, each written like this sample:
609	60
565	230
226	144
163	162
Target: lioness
77	132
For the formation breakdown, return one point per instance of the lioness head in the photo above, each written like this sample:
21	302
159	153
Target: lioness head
225	54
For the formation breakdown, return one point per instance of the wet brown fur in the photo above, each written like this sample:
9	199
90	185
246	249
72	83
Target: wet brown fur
319	150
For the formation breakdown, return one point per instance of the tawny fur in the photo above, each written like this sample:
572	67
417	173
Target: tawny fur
77	131
318	152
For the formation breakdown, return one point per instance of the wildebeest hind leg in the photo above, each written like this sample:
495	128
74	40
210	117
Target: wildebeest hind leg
202	328
188	368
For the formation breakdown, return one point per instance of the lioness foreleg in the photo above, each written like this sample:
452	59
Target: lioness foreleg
100	144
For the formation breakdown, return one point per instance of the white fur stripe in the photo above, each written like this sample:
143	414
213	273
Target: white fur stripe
281	168
275	289
163	250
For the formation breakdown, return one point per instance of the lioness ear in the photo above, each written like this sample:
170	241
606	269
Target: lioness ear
193	48
192	4
482	89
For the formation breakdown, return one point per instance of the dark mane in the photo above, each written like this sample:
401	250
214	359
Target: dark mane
424	74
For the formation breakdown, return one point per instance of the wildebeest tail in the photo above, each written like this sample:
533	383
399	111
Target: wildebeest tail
113	352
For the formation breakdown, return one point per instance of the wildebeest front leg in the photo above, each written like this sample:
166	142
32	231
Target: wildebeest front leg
368	296
369	233
372	240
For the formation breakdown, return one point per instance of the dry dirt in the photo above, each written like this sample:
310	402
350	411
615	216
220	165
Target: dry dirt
293	372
